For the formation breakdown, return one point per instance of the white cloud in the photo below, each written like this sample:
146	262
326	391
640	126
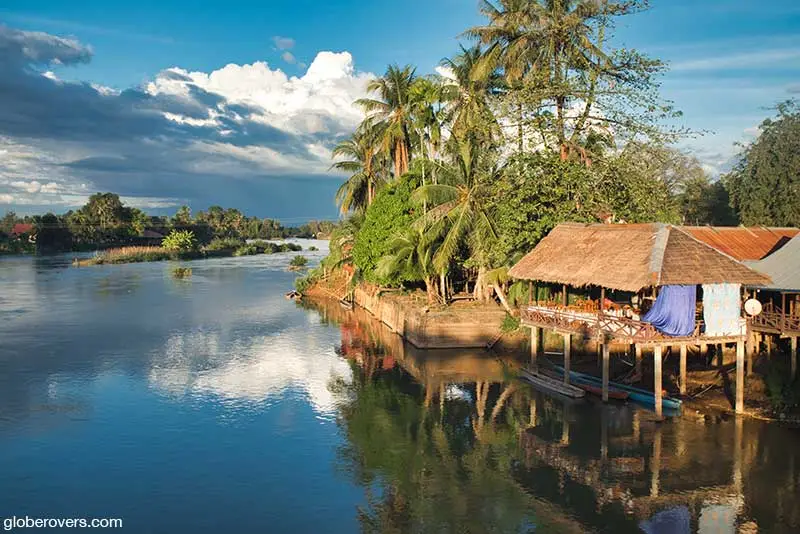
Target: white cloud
6	199
320	101
749	60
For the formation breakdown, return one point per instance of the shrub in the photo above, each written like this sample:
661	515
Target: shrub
227	243
130	255
302	283
180	241
312	248
247	250
298	261
289	247
389	215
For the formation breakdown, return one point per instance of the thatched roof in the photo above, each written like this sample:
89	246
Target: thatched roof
782	266
629	257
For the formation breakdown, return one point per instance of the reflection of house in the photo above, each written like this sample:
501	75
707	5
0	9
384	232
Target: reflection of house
21	230
657	264
774	252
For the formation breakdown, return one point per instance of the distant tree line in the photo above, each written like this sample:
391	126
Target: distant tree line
104	221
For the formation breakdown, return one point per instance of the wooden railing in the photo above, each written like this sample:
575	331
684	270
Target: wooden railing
772	318
597	325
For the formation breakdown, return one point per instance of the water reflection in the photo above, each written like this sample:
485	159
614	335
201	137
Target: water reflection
448	441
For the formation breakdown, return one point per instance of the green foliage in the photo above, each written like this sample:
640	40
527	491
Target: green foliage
535	192
388	216
180	241
299	261
302	283
510	324
222	244
312	248
247	250
764	186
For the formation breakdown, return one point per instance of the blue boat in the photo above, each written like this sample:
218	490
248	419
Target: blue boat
636	394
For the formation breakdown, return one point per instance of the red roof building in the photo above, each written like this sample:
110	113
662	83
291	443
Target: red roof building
21	228
743	243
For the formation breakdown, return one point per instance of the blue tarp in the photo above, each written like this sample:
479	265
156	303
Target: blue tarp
673	311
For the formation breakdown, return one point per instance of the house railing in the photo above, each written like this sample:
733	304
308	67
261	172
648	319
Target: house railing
599	325
772	317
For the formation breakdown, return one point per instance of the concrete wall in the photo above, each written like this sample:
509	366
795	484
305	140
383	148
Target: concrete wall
455	328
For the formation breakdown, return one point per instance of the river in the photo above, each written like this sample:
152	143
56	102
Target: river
215	404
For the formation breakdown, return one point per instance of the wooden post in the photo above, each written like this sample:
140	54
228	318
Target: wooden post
564	295
605	371
703	350
768	342
567	356
793	355
750	351
739	376
639	361
530	292
602	299
783	312
534	345
657	379
683	370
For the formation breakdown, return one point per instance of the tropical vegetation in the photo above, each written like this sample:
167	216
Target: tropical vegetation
538	120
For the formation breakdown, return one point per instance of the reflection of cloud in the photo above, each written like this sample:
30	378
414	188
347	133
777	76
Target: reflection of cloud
252	370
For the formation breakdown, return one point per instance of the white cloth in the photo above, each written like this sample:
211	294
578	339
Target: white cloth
722	309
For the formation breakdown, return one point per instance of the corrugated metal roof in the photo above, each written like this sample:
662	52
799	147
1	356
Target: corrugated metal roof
743	243
782	266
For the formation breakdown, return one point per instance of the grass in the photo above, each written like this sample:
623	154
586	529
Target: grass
247	250
129	255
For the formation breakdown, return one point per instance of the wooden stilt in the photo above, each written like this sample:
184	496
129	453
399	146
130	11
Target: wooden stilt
657	379
567	356
793	355
768	341
683	370
750	351
720	350
638	362
534	346
606	356
739	376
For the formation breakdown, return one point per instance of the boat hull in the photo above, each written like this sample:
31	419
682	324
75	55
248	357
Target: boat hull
551	385
634	393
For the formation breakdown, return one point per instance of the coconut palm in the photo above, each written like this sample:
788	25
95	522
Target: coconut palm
467	95
458	213
392	112
539	43
364	162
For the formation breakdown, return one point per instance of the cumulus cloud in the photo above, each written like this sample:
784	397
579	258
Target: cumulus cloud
182	135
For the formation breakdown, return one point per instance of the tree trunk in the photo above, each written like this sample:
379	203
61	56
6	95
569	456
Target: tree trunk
443	286
502	298
430	289
520	134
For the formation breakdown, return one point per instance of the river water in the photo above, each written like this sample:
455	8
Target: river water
215	404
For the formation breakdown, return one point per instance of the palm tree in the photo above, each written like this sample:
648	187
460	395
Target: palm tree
392	112
364	162
467	95
539	43
458	212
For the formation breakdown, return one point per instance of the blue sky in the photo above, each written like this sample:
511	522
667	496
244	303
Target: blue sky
730	61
